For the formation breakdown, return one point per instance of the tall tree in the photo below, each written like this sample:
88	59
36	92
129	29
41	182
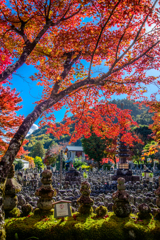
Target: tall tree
53	153
94	147
155	126
51	36
38	162
37	150
144	133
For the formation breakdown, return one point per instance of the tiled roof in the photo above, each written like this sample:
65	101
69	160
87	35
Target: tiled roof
74	148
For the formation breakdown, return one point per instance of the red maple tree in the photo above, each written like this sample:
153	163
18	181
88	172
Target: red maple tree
53	37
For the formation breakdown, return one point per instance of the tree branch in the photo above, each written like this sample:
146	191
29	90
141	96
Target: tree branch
72	15
21	33
123	36
67	67
30	46
135	59
102	29
134	41
8	19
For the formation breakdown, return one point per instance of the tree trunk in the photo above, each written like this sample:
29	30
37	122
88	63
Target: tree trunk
14	146
2	214
20	135
17	140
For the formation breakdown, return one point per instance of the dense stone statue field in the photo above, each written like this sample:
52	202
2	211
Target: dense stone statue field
100	208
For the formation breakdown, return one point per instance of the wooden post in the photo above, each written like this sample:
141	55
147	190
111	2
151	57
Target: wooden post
61	160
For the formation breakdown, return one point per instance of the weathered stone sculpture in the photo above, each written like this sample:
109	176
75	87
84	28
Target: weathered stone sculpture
26	209
121	205
144	211
25	182
10	200
101	211
45	192
85	201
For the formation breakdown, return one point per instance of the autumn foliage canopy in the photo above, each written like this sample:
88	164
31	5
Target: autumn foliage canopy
85	52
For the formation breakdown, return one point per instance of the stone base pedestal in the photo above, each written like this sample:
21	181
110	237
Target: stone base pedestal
126	174
127	178
122	209
40	212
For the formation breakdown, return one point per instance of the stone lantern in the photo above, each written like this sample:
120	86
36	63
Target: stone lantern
123	166
123	170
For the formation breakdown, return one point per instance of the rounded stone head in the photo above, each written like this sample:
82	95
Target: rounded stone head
85	185
47	173
144	208
121	180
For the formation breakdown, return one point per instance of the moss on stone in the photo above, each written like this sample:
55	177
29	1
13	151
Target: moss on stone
85	209
26	209
83	227
101	211
39	212
15	212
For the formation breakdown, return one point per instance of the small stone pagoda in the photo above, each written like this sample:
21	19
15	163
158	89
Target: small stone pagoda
123	167
121	205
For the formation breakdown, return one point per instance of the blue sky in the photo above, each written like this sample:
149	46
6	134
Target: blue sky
30	92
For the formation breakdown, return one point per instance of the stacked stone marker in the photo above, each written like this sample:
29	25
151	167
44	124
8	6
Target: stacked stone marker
85	201
45	192
121	205
10	200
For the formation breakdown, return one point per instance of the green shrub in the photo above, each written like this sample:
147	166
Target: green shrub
77	162
107	165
